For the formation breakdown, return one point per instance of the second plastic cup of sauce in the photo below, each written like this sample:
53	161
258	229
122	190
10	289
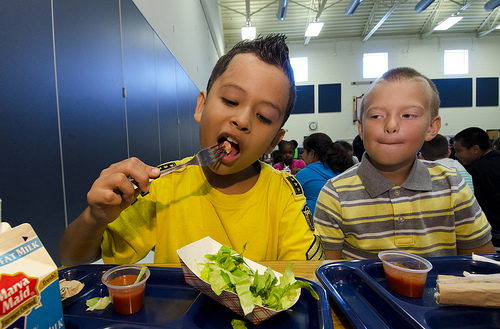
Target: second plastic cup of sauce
127	296
405	273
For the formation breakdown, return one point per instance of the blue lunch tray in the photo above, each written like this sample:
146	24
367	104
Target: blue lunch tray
360	290
170	302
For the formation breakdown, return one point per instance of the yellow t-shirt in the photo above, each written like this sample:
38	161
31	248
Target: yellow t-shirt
182	207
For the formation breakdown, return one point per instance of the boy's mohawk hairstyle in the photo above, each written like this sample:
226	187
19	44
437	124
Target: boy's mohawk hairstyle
271	49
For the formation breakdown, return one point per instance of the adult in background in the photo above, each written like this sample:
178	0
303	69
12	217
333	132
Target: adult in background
325	159
472	147
437	150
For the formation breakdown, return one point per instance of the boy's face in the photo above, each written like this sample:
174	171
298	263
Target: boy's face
396	122
246	105
465	155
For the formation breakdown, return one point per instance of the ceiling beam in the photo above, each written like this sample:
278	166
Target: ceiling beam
386	16
431	21
491	22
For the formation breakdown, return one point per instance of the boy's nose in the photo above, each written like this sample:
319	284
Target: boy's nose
391	126
242	121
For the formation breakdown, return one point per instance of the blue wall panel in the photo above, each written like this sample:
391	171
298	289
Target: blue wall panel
487	92
140	81
90	79
185	114
167	102
455	92
30	161
330	98
304	101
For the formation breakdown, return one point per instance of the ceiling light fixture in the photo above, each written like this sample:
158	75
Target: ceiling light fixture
351	8
422	5
447	23
248	32
313	29
492	4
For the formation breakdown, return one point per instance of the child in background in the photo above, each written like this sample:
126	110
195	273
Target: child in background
325	159
392	200
235	200
288	163
437	150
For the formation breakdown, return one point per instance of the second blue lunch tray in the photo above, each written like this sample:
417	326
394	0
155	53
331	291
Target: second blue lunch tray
171	303
360	290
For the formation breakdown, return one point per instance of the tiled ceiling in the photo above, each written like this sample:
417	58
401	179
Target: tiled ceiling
373	18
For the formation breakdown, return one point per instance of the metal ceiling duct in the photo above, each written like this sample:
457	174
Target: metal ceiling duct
492	4
282	5
351	8
422	5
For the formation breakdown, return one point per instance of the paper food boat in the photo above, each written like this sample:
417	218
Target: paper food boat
194	253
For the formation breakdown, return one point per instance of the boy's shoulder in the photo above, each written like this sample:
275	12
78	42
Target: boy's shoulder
285	179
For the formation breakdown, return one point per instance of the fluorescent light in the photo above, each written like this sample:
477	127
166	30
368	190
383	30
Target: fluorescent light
313	29
447	23
498	27
248	32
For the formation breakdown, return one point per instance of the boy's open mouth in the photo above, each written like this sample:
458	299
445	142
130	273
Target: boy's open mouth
235	148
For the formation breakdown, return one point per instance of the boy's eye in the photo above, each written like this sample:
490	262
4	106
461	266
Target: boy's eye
264	119
229	102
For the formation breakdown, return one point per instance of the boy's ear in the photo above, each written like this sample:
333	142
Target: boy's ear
433	128
200	105
360	129
279	136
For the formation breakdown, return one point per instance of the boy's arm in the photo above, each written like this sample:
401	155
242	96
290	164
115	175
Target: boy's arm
111	193
333	254
485	249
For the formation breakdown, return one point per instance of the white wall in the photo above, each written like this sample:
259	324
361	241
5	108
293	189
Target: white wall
340	62
191	29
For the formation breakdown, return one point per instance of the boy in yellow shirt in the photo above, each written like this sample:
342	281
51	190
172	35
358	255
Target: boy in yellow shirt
235	200
392	200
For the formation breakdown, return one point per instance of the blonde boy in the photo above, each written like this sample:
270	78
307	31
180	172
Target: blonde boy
392	200
236	200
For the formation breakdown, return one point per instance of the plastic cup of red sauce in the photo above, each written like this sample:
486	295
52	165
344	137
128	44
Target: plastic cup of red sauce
405	273
127	296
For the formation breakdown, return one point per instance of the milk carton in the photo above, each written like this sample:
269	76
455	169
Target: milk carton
29	282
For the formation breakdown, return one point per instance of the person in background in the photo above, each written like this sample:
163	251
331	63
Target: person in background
496	144
325	159
472	147
276	157
392	200
237	199
288	163
348	147
437	150
358	148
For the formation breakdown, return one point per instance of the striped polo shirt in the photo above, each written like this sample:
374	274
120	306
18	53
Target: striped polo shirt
432	213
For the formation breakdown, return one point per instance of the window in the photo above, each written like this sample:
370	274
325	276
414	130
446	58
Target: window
299	66
375	64
456	61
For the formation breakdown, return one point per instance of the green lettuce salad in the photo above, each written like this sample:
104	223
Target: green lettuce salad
227	270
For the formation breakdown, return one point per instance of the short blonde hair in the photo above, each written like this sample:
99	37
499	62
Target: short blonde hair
407	73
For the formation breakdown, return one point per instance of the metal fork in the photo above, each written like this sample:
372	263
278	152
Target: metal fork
204	157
